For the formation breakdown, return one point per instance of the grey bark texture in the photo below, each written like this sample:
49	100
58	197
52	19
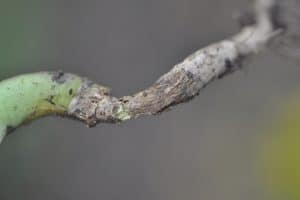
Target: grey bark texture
185	80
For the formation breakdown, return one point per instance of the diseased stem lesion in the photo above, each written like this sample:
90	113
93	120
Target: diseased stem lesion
185	80
93	103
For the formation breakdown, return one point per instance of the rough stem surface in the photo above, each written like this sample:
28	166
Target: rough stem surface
69	95
185	80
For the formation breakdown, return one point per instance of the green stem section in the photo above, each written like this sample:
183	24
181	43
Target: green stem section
27	97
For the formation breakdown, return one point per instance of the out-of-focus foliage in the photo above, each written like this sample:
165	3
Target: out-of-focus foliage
19	35
281	153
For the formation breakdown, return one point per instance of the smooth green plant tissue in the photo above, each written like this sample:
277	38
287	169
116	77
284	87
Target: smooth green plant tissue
27	97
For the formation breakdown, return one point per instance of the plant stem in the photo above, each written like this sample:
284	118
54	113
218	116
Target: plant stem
27	97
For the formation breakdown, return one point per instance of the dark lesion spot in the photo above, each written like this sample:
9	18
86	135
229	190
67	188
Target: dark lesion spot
229	67
189	74
50	100
228	64
70	91
59	77
125	99
145	94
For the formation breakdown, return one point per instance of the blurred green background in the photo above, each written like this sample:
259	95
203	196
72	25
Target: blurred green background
280	160
25	28
209	148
